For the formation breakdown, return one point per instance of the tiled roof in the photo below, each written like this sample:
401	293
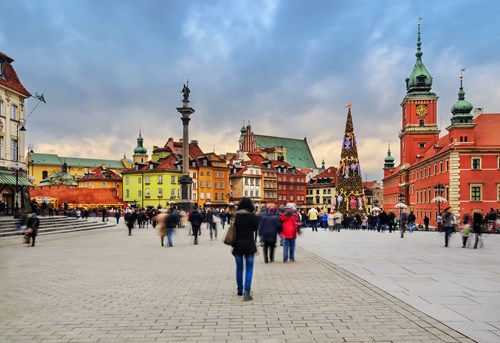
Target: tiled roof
487	131
100	174
298	153
328	173
53	159
486	134
9	78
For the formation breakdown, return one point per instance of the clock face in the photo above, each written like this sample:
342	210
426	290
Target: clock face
421	110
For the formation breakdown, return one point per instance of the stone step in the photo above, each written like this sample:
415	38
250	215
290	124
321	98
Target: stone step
52	225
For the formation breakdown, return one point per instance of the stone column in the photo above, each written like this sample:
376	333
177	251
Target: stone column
185	181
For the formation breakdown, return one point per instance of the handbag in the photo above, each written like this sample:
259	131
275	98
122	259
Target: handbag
230	235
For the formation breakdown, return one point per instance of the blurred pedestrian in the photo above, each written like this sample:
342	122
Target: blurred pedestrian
269	228
172	220
477	221
449	222
160	219
32	228
195	218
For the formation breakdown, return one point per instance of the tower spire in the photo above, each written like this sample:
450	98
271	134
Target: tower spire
420	80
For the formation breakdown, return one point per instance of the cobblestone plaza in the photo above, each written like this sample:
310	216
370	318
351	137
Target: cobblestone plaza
104	286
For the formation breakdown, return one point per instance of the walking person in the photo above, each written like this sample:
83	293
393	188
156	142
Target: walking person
289	232
118	214
465	230
223	218
331	220
212	225
172	220
449	223
403	220
160	220
246	225
337	221
411	221
477	221
269	228
312	214
195	218
32	228
426	223
130	220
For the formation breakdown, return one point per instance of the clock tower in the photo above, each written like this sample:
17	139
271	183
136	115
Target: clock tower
419	112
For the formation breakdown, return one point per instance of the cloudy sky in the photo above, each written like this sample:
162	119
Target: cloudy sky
109	68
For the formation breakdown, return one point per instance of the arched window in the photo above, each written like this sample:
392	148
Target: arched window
45	174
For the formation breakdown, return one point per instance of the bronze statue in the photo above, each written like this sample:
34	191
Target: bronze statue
185	91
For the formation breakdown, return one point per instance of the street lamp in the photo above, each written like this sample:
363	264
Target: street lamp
438	190
20	128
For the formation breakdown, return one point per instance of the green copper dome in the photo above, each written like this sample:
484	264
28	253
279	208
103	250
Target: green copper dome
420	80
389	160
462	108
140	150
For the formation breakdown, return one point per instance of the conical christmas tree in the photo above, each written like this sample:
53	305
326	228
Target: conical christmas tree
350	195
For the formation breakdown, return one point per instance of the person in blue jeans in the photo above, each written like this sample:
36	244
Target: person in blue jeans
290	227
172	220
246	224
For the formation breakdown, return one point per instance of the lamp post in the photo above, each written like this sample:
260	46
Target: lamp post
401	199
185	179
438	190
20	128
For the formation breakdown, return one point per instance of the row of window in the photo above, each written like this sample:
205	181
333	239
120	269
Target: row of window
13	111
147	193
13	149
283	198
216	184
220	175
426	171
325	191
283	187
292	179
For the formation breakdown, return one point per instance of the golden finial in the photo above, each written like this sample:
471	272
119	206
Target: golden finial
349	105
461	73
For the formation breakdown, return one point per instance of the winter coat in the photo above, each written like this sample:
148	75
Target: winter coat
289	221
160	221
33	223
269	227
172	220
246	225
195	218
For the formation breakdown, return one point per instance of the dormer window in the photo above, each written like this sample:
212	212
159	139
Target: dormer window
1	70
421	80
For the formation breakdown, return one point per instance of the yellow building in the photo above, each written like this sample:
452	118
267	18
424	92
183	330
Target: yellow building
40	166
152	184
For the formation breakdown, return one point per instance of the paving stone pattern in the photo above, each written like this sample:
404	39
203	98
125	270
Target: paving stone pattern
104	286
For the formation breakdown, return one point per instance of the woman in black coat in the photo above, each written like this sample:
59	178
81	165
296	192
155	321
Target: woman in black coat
269	228
244	248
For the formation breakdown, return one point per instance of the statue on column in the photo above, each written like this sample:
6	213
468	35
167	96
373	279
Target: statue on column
185	91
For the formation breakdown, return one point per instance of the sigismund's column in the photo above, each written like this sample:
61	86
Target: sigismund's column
185	181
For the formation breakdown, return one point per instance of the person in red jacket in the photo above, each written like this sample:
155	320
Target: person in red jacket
290	228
